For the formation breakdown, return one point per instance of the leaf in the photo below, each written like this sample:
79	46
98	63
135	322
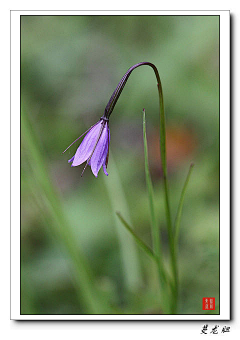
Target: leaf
180	205
144	247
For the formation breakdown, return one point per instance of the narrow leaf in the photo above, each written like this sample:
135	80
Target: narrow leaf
180	206
154	224
144	247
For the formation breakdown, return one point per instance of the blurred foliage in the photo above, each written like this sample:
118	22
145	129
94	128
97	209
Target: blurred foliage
70	66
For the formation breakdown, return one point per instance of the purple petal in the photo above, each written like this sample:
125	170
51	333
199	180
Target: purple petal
104	169
86	147
100	154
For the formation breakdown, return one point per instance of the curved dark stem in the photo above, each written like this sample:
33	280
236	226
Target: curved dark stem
114	98
108	110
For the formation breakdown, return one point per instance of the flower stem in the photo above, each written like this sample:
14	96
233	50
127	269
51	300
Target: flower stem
108	110
154	224
141	244
166	194
180	206
129	252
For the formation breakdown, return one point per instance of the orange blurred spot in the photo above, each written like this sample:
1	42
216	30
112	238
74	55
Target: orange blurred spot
181	143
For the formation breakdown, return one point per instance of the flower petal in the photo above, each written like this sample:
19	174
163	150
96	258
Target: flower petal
100	154
104	169
86	147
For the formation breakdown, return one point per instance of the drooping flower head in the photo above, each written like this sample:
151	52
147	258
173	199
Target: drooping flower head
94	149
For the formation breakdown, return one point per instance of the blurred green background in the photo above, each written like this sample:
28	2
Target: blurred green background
76	257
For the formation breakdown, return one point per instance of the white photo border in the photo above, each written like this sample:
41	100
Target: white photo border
224	228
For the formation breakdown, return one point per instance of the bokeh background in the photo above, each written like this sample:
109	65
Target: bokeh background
76	257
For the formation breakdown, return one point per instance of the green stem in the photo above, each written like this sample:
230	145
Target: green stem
129	254
166	195
108	110
142	245
180	206
154	224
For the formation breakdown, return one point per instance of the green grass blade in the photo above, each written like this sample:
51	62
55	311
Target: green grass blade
180	205
170	231
132	274
154	224
142	245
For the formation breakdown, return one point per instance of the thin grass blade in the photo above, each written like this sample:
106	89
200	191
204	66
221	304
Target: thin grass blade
142	245
154	224
132	274
180	205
